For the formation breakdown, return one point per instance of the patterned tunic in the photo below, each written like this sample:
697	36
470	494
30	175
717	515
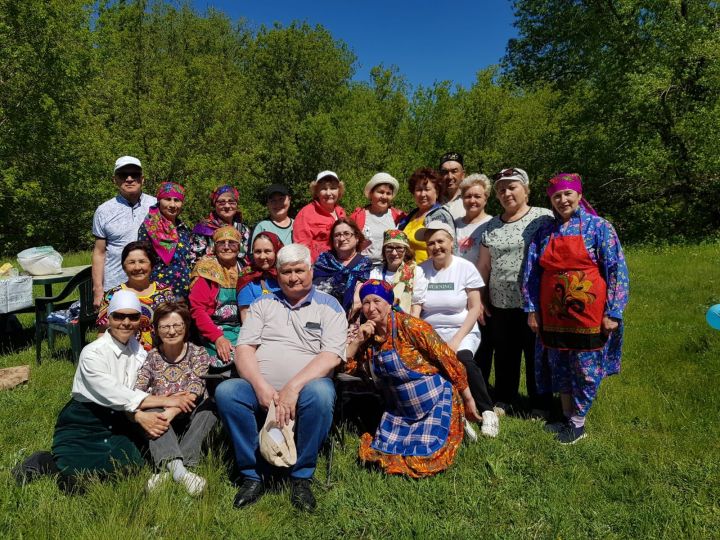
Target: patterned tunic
423	351
159	293
579	372
159	377
175	274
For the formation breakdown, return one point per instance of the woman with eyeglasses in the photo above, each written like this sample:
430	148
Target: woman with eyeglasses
213	296
261	276
342	269
502	255
225	211
138	259
177	366
400	271
170	239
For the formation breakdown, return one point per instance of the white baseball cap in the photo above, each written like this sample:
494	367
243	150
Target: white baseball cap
124	299
423	234
325	174
126	160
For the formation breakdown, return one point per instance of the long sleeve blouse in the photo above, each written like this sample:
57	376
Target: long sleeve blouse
603	246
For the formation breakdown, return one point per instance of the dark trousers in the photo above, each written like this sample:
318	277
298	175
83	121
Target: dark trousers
476	381
512	339
484	354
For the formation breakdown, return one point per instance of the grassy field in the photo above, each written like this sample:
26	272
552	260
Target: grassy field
650	467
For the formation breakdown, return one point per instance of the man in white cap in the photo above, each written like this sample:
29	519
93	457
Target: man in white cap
453	173
116	223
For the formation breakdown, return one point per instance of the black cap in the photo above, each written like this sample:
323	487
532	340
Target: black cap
452	156
275	188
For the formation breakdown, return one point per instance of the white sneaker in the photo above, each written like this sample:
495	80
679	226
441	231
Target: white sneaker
469	430
157	480
490	424
194	484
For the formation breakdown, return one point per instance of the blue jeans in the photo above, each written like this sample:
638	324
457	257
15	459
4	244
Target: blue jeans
243	417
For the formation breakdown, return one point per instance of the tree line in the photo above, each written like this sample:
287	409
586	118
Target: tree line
625	92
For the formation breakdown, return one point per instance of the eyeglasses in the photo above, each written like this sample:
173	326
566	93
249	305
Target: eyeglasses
506	173
128	177
445	172
399	249
226	203
176	327
344	234
116	316
228	244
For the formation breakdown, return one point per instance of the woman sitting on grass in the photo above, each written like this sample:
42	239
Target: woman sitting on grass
100	430
425	384
177	366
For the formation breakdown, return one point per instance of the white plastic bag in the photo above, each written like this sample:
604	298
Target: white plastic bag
40	261
15	293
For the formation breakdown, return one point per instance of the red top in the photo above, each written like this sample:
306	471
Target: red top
203	303
312	227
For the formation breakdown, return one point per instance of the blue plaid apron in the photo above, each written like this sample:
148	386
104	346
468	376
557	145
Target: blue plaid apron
420	406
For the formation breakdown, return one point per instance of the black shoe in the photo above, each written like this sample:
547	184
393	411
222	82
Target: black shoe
37	465
301	496
249	492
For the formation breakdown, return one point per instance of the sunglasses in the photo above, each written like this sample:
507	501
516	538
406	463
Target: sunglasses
507	173
228	244
133	317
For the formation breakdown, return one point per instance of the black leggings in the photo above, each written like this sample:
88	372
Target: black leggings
476	381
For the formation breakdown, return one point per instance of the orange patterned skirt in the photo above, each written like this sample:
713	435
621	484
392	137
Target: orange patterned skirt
419	466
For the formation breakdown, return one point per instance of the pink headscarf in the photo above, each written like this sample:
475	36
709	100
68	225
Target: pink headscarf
562	181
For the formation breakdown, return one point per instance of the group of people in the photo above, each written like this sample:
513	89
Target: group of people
421	305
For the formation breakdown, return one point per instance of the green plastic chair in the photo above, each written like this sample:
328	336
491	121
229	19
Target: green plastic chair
44	305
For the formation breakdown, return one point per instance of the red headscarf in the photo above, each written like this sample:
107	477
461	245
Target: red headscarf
253	272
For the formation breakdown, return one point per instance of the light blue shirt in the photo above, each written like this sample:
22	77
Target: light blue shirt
117	222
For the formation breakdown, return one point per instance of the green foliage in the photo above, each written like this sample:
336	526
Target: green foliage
650	467
626	92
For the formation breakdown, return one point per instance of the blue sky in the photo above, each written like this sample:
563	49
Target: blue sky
428	41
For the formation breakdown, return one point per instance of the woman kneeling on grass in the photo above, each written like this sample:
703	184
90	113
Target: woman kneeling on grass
177	366
425	385
100	430
575	289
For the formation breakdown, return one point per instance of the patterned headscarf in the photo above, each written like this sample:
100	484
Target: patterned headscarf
162	232
254	272
228	232
562	181
208	225
378	287
170	189
221	190
395	236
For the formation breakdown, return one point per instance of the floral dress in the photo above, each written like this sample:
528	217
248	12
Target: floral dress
158	294
176	273
422	354
579	372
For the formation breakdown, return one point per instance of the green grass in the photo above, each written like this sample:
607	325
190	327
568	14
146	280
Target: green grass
650	467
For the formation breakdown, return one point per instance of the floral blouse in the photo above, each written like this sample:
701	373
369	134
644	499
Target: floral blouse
159	377
604	248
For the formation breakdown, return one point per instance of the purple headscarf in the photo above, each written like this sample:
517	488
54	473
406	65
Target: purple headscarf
562	181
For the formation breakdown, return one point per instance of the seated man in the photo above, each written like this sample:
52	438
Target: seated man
287	350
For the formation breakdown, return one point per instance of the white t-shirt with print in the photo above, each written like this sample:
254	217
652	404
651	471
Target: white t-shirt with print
445	307
375	227
469	238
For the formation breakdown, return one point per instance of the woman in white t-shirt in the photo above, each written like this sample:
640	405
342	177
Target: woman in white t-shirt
452	307
474	192
378	216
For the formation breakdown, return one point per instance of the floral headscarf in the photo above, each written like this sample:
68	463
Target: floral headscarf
207	226
162	232
254	272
